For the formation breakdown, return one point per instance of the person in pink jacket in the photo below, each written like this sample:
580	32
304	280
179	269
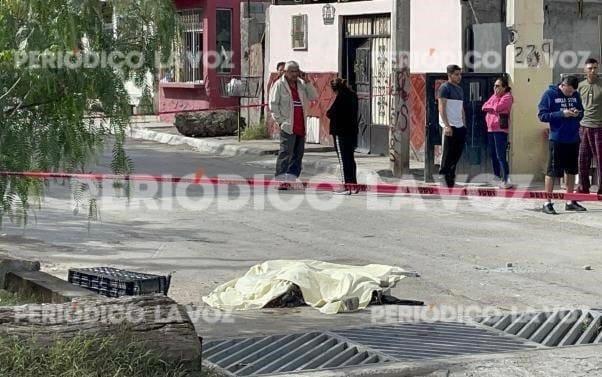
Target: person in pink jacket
497	110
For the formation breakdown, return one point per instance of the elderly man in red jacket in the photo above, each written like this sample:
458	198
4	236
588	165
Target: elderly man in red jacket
289	105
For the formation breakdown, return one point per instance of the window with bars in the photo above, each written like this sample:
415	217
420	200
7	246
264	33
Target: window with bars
370	26
299	32
189	62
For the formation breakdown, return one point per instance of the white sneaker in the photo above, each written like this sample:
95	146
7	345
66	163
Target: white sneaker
495	182
505	185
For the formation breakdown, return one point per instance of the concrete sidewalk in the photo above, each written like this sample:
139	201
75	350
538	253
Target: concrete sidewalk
318	159
224	146
321	162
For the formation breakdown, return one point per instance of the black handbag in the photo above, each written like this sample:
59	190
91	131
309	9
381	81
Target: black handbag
504	121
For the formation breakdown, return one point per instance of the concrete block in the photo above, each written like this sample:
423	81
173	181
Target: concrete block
44	287
8	264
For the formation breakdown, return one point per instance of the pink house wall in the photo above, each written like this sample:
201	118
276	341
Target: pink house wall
175	97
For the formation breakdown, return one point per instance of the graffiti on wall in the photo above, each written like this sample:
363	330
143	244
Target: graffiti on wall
533	56
400	124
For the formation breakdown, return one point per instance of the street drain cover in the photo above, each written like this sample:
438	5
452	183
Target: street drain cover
424	340
286	353
551	329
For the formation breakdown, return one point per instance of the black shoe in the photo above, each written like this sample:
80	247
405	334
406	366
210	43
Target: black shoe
574	207
284	186
548	209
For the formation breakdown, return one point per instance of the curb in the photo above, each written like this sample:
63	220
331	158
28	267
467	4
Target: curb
318	166
498	364
201	145
217	148
207	145
44	287
24	276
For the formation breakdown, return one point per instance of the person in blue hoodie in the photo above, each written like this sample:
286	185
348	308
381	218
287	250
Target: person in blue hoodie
562	108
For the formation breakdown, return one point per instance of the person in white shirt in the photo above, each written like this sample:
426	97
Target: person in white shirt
452	120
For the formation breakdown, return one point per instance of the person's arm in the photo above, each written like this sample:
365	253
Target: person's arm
444	94
545	114
443	111
447	130
443	97
579	107
504	105
275	103
489	105
310	90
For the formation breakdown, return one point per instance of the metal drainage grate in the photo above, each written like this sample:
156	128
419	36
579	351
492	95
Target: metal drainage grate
422	340
552	329
286	353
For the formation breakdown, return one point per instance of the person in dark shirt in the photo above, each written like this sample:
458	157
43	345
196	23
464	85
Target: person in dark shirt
562	108
343	115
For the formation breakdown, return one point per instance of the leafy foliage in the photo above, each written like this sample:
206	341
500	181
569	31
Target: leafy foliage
48	92
256	132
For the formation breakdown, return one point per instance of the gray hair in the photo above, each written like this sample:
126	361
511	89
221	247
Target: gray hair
291	64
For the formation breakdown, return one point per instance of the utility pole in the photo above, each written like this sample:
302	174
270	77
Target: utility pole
600	34
528	64
399	134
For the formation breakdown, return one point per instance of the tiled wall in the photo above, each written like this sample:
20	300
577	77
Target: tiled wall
418	114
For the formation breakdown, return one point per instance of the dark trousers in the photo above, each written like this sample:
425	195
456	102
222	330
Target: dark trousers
590	148
453	146
345	146
290	157
498	146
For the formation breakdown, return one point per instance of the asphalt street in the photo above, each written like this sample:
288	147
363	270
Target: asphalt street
460	247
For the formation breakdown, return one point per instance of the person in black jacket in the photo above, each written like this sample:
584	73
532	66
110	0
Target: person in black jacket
343	115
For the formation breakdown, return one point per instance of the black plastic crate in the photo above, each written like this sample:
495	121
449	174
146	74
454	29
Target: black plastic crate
112	282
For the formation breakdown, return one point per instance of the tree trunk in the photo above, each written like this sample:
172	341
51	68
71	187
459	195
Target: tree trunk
157	321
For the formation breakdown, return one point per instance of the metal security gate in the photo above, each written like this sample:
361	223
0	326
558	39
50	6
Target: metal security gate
367	67
358	73
478	87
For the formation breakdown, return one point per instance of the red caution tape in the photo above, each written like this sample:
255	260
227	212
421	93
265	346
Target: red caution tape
390	189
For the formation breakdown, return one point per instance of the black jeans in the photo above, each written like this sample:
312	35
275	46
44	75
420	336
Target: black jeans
453	146
345	146
290	157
